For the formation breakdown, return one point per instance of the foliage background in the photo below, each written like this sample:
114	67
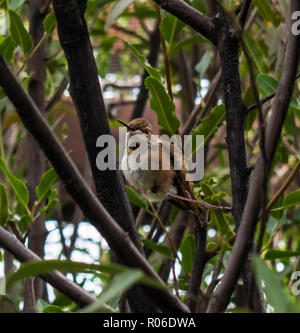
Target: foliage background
123	34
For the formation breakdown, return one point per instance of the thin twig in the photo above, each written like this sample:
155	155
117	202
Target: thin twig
198	203
262	128
210	254
215	277
45	9
172	244
32	53
266	99
15	229
56	97
129	32
173	247
283	187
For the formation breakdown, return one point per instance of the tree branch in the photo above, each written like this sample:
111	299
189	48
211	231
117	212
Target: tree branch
88	100
247	227
236	111
86	93
189	15
245	8
177	232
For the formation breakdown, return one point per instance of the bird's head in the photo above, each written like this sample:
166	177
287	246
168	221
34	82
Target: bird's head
138	126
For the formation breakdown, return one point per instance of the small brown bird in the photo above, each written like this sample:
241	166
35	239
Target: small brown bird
154	184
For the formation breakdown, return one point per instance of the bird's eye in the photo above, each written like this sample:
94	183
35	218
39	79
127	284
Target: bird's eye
146	131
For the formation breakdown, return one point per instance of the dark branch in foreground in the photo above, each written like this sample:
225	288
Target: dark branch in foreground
86	94
236	111
247	227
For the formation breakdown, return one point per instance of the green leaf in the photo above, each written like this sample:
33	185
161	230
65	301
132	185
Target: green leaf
52	202
17	184
3	206
211	246
278	254
49	22
210	124
15	4
269	85
217	217
135	198
225	246
187	249
52	309
48	179
52	194
113	123
46	209
38	267
24	223
219	220
170	28
267	12
158	248
63	301
125	276
162	104
141	11
203	64
173	214
273	289
116	11
249	99
186	43
120	283
19	33
291	200
7	47
2	93
40	305
277	215
256	53
151	70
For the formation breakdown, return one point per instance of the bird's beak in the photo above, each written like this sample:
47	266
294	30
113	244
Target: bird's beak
121	122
